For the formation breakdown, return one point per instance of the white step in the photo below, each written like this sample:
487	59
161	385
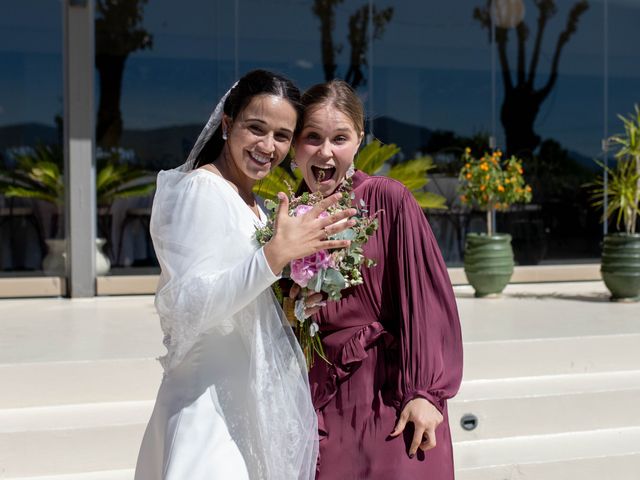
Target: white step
67	451
126	474
69	417
597	454
551	356
547	405
62	330
81	379
79	382
71	439
545	311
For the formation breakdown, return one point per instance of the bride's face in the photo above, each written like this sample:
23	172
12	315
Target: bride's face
326	147
259	137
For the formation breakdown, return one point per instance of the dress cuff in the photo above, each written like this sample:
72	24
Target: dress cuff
265	268
418	393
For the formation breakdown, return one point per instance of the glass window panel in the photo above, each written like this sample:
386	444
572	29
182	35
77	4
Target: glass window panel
432	95
552	117
31	213
182	62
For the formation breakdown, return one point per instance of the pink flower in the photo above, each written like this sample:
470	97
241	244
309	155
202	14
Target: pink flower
304	269
302	209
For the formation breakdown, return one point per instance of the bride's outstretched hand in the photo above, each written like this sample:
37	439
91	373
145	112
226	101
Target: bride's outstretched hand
303	235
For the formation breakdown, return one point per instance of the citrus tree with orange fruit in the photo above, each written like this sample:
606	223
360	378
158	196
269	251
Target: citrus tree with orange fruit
492	183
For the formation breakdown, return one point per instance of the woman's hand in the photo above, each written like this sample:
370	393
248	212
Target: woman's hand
297	237
425	418
313	301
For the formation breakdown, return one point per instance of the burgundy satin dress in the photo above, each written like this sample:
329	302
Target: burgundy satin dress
394	338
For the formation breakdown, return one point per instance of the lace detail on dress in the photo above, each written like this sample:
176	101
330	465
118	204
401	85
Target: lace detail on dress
214	289
187	304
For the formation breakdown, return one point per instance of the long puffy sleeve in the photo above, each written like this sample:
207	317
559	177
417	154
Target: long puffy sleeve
429	327
211	267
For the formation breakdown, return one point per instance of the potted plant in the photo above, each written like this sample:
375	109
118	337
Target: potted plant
620	266
490	183
38	175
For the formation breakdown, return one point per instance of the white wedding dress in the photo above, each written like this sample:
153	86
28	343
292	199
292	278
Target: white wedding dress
234	401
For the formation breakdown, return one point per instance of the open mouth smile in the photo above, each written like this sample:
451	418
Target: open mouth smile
323	174
261	159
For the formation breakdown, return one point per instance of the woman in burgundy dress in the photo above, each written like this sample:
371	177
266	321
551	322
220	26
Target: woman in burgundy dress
394	342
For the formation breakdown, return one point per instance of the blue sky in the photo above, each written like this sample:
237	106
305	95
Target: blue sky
432	67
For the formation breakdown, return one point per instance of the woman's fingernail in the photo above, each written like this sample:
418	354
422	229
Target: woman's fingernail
411	455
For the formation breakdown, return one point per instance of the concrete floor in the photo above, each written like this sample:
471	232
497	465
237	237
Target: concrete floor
79	375
36	330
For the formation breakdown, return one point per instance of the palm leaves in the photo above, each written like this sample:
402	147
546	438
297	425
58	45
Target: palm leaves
38	175
372	159
629	142
413	174
278	180
629	152
622	191
620	194
122	181
373	156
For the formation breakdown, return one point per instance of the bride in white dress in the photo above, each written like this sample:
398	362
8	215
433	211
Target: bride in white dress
234	401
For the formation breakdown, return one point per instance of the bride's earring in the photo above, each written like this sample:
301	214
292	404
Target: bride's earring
350	171
224	134
293	164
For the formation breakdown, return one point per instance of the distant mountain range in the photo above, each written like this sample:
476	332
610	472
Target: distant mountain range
27	134
410	138
168	147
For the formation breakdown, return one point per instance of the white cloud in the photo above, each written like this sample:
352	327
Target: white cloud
305	64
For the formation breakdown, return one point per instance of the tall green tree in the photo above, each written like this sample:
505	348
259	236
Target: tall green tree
325	11
522	99
358	38
119	33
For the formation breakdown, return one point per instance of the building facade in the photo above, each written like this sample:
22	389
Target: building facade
137	79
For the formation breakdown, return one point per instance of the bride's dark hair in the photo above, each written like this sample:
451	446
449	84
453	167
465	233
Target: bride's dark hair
256	82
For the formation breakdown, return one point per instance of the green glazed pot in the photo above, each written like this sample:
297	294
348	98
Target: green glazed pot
488	262
621	266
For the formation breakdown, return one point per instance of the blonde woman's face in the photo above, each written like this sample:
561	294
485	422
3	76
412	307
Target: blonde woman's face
326	147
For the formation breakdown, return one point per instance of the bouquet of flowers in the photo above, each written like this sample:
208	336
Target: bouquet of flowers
325	271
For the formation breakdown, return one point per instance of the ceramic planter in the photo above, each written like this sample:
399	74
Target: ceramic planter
488	262
54	263
620	267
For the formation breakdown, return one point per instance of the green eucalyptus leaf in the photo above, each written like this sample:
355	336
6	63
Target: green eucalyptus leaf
316	281
348	234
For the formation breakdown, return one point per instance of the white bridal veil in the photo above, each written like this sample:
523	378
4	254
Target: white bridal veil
225	334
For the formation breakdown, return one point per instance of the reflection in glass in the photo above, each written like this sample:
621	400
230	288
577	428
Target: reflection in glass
121	181
522	96
550	57
31	159
119	33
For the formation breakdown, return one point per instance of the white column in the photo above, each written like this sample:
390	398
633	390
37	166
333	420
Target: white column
79	146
